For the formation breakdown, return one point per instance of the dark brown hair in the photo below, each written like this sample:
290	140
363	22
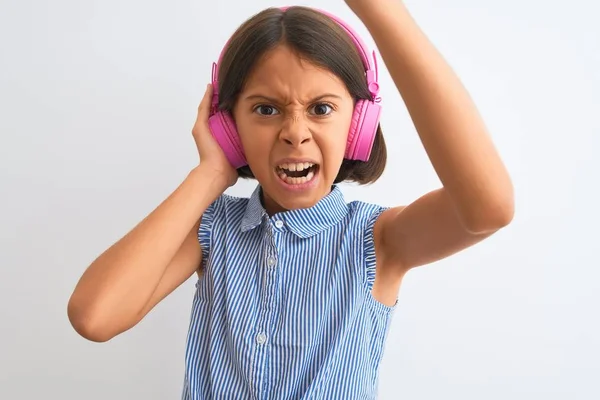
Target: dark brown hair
313	37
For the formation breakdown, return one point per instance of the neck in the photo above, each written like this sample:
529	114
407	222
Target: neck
272	207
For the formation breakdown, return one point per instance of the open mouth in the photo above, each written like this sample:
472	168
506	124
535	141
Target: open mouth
297	173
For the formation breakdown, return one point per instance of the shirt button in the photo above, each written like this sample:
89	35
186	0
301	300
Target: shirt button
279	224
271	261
261	338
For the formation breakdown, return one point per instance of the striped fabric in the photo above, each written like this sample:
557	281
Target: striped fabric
283	309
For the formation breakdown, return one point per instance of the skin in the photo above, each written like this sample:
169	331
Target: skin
476	198
290	108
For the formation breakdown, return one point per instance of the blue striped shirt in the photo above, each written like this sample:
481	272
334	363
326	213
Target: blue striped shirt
283	308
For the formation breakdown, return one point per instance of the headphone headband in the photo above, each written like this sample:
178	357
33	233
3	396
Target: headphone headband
364	124
372	74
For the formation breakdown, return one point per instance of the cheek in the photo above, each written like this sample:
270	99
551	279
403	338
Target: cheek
246	132
333	149
339	147
257	142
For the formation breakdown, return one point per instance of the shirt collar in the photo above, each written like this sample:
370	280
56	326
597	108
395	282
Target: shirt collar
304	222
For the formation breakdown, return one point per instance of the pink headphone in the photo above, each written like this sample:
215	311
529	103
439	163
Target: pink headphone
363	128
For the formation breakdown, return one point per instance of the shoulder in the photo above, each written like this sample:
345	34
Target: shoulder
381	280
224	209
365	212
364	219
226	204
230	200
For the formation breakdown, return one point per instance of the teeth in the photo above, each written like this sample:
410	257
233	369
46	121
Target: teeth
296	166
296	181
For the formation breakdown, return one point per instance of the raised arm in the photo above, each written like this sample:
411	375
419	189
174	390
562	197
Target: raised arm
477	194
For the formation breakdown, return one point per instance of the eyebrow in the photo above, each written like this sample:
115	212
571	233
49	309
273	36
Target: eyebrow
274	100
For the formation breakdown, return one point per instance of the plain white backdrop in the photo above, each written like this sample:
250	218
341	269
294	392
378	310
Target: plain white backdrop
97	100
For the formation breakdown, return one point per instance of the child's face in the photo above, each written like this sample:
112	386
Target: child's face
293	120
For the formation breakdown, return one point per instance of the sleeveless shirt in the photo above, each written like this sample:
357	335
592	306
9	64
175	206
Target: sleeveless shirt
283	307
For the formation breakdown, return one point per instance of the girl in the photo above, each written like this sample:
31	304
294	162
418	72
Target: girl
296	286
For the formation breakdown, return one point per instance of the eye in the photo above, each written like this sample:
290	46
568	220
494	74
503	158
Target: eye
266	110
322	109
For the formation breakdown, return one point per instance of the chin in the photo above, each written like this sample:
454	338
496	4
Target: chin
285	194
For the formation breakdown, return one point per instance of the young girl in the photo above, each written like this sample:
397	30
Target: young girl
296	286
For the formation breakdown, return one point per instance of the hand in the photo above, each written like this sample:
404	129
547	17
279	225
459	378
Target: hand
211	154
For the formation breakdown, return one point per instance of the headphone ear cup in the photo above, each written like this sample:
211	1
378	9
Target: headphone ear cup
223	129
363	128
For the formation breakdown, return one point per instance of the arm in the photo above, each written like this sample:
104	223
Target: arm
477	195
125	282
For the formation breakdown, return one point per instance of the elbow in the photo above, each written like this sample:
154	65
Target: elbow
86	322
492	216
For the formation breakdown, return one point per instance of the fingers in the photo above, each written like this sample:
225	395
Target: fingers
205	104
201	124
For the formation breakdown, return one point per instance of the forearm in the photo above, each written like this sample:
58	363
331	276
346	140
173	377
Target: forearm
120	282
448	123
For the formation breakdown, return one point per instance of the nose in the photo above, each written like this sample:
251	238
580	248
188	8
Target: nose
295	131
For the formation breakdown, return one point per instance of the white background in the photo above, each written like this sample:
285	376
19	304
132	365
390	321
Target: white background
97	100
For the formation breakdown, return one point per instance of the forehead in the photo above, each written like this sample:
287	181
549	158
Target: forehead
282	72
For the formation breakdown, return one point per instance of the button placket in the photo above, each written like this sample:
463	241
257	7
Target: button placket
270	262
271	273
